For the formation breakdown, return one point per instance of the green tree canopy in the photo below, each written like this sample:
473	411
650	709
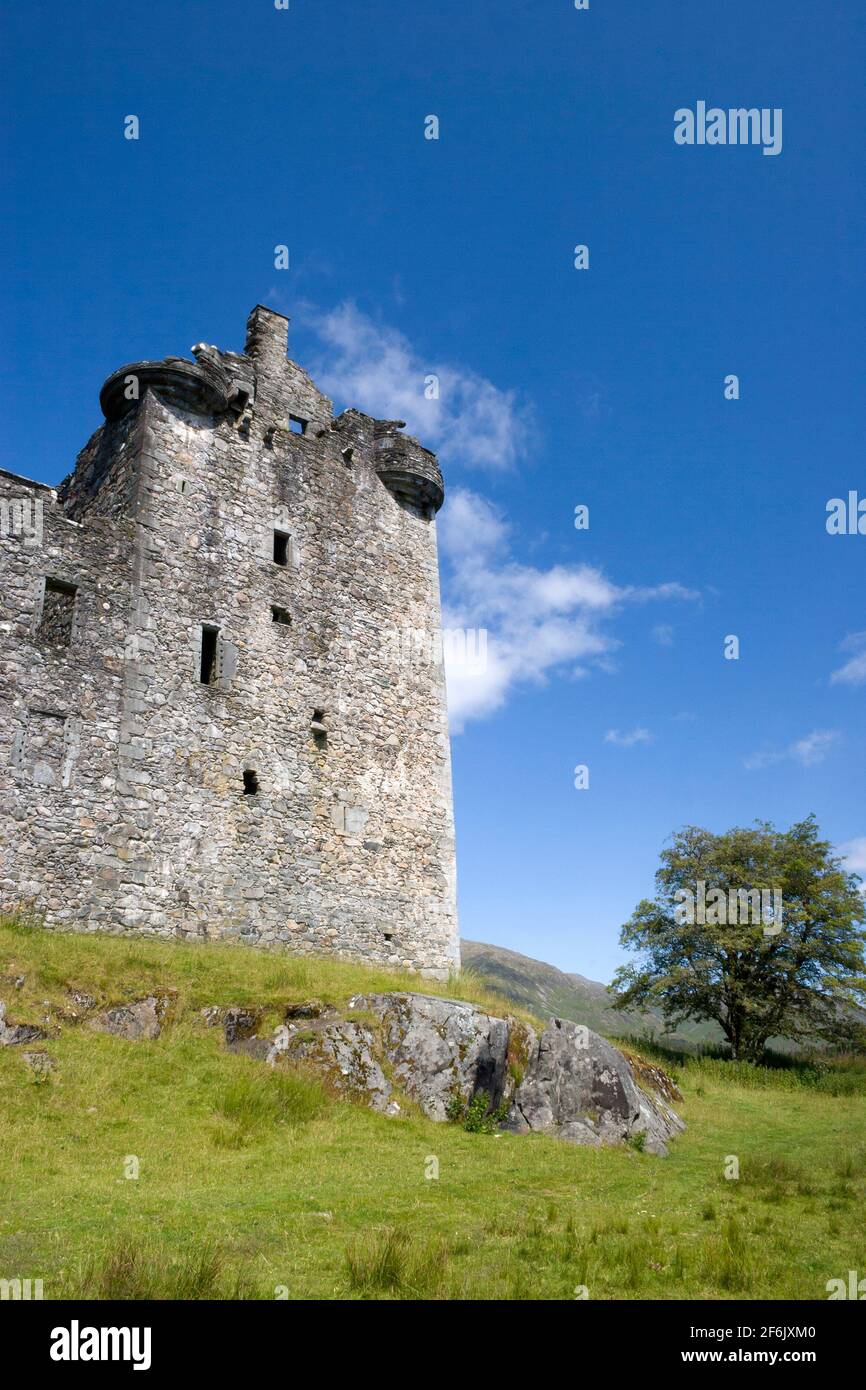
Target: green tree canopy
795	971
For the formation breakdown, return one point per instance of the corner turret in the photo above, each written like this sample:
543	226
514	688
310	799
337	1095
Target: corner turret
407	469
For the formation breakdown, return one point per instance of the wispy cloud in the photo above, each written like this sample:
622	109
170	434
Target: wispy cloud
807	751
374	367
815	746
663	633
853	672
628	740
538	621
853	852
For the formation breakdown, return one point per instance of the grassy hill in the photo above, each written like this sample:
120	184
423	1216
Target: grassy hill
258	1183
544	990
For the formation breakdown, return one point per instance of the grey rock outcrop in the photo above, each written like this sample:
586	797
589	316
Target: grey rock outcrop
345	1052
441	1049
12	1034
569	1083
442	1054
134	1022
580	1088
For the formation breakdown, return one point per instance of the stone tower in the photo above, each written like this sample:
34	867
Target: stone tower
211	722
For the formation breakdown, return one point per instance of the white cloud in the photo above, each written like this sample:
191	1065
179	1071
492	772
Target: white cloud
374	367
854	854
807	751
854	670
815	746
628	740
470	526
663	633
537	621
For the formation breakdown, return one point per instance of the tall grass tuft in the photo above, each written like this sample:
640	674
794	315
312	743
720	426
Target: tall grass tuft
256	1104
393	1262
132	1272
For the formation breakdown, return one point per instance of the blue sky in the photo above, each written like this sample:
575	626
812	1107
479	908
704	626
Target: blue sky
603	387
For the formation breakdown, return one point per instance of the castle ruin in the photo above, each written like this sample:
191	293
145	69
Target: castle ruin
208	724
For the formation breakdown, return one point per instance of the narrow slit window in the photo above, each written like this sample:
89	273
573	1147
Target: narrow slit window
297	425
348	455
209	641
251	783
317	724
282	547
57	623
281	616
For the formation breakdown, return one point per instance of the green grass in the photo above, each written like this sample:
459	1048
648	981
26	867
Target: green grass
837	1075
115	969
257	1183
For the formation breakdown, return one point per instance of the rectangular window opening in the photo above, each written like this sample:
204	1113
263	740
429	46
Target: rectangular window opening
281	616
209	642
282	545
297	425
57	623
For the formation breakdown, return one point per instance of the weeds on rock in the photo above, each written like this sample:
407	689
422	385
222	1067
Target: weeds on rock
475	1115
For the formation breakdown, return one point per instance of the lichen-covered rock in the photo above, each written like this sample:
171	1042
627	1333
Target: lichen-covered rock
580	1088
39	1062
345	1052
81	1003
658	1093
133	1022
238	1023
653	1078
441	1049
12	1034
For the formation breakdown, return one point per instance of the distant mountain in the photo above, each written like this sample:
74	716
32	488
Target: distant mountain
544	990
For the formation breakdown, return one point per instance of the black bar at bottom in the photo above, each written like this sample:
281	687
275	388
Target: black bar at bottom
66	1339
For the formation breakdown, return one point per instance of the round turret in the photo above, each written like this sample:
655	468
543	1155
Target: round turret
198	387
407	469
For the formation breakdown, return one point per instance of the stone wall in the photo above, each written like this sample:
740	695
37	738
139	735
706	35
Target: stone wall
299	795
